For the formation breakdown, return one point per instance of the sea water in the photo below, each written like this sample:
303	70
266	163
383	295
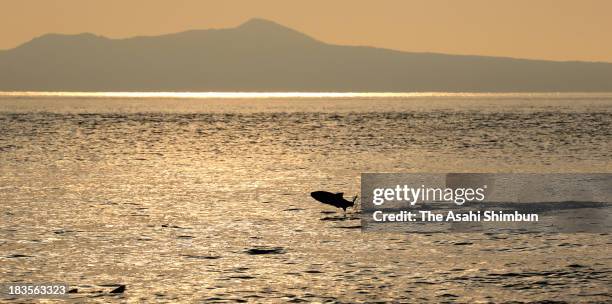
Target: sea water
198	197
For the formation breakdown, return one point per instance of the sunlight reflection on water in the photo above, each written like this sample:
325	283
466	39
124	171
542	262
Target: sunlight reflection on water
177	200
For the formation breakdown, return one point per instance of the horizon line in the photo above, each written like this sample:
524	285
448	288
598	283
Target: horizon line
275	95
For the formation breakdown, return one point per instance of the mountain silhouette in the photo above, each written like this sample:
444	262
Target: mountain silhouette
261	55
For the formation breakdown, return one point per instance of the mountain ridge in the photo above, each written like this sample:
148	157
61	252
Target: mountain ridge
262	55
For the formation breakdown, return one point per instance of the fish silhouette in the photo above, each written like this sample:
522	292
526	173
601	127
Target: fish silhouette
334	199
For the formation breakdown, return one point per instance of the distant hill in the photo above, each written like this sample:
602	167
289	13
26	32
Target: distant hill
261	55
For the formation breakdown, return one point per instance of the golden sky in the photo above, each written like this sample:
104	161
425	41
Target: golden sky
541	29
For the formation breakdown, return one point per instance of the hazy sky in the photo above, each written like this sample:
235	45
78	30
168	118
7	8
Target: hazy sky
542	29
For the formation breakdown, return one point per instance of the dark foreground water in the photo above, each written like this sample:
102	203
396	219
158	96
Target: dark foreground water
188	200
